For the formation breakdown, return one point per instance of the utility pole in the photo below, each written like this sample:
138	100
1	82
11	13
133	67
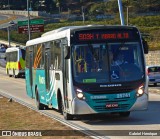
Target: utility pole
11	23
83	16
29	32
127	12
9	42
127	15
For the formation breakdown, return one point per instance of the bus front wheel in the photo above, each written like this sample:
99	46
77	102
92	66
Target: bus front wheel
124	114
66	115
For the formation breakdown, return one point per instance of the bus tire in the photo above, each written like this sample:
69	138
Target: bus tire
15	76
39	105
8	73
124	114
66	115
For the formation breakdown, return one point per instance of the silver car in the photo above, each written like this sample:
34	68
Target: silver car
153	74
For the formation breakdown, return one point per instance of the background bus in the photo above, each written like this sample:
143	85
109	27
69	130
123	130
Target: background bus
15	61
76	70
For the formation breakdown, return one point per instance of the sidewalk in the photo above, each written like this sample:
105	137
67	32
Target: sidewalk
154	90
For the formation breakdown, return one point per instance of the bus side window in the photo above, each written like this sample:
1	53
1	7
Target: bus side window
35	56
57	55
43	54
15	56
27	57
53	55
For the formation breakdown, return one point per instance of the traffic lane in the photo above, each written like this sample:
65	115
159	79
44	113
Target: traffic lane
154	89
3	17
17	88
18	18
2	71
14	87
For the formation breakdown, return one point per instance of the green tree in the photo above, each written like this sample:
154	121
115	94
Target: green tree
49	5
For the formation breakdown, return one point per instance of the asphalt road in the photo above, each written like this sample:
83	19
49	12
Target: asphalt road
2	17
19	18
107	125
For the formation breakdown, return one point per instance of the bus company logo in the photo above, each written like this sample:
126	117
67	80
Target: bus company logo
6	133
111	85
41	80
98	97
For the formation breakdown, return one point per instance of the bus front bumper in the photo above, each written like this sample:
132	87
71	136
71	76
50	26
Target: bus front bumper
81	107
141	103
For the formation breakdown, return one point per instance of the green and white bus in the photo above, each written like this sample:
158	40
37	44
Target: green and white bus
70	69
15	61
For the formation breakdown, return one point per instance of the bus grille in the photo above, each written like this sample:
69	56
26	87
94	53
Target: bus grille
111	102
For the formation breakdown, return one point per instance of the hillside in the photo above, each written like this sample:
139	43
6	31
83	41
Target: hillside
139	12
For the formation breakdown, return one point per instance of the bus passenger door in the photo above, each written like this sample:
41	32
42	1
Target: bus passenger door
47	70
30	76
65	78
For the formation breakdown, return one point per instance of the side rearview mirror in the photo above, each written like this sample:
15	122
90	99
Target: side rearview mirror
145	46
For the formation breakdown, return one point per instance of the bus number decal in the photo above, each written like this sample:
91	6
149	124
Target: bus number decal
123	95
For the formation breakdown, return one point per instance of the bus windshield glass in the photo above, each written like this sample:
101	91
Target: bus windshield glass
23	52
107	62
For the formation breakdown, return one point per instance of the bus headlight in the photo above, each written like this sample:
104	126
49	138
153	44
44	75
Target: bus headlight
80	94
140	91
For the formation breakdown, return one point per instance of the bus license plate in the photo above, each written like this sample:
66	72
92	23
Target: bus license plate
112	105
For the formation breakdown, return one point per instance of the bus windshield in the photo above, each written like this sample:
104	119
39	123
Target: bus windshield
23	52
107	62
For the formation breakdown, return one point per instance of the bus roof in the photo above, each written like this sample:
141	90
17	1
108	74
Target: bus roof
11	49
65	31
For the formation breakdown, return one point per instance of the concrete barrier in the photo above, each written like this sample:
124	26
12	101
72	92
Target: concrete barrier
153	58
18	12
25	13
13	44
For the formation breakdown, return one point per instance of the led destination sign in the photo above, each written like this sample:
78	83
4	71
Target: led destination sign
104	35
97	36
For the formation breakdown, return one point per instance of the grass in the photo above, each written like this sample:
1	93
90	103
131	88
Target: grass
14	116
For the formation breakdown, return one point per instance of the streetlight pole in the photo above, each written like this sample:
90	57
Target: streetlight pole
9	41
83	16
11	23
29	32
